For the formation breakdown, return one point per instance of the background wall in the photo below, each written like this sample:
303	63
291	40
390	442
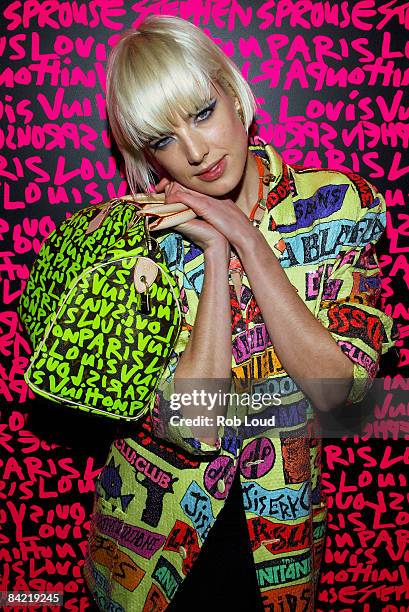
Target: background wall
331	81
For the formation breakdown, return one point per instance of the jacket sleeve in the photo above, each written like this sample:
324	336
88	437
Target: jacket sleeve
351	290
167	409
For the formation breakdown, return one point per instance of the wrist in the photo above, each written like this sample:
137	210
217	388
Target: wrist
249	243
218	254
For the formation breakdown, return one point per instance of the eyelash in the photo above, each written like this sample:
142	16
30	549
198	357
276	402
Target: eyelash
209	109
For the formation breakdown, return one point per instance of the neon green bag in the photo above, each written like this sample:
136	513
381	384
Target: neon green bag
102	312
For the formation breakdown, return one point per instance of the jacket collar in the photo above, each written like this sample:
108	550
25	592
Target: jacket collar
281	188
280	207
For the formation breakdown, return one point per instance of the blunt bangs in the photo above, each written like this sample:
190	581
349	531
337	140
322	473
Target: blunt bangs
152	104
163	69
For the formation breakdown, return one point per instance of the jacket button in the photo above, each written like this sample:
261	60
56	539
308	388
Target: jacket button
183	552
221	486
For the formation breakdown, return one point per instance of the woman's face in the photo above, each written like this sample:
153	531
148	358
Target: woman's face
214	139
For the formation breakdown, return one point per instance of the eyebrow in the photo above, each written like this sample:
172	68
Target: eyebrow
152	141
203	107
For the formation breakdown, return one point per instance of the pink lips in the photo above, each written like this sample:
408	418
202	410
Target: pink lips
215	171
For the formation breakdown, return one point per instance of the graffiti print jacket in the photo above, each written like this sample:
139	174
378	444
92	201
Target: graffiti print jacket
161	489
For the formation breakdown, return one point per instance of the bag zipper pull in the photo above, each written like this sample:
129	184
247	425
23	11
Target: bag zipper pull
145	299
147	234
101	216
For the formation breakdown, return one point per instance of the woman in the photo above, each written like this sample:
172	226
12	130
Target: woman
279	283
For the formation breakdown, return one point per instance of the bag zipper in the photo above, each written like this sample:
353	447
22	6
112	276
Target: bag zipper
97	221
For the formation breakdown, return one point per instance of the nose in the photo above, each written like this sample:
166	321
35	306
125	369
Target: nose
196	147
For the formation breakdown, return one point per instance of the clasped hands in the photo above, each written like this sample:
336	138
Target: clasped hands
219	223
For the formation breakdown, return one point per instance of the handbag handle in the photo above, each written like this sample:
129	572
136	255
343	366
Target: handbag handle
149	205
167	215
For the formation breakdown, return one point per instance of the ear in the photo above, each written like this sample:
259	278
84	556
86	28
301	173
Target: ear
239	109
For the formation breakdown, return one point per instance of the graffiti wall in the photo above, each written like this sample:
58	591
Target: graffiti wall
331	83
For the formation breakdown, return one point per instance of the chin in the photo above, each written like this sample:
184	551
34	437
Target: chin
221	187
218	191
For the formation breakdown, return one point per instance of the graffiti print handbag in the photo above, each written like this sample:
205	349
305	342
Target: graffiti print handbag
101	308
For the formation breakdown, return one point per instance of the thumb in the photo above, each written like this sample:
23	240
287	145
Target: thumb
161	185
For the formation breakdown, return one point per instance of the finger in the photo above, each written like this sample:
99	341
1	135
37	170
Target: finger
172	220
176	194
149	198
165	209
168	188
189	225
161	185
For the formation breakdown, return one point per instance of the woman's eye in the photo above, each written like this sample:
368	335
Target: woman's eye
206	112
160	144
200	116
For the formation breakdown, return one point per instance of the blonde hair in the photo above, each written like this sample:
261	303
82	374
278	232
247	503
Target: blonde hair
164	67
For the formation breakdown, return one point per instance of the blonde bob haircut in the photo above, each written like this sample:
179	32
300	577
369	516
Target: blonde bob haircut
162	68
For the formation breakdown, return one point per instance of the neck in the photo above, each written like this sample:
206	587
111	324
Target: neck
246	192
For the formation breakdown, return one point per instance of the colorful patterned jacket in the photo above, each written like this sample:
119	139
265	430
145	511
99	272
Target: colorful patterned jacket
161	489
